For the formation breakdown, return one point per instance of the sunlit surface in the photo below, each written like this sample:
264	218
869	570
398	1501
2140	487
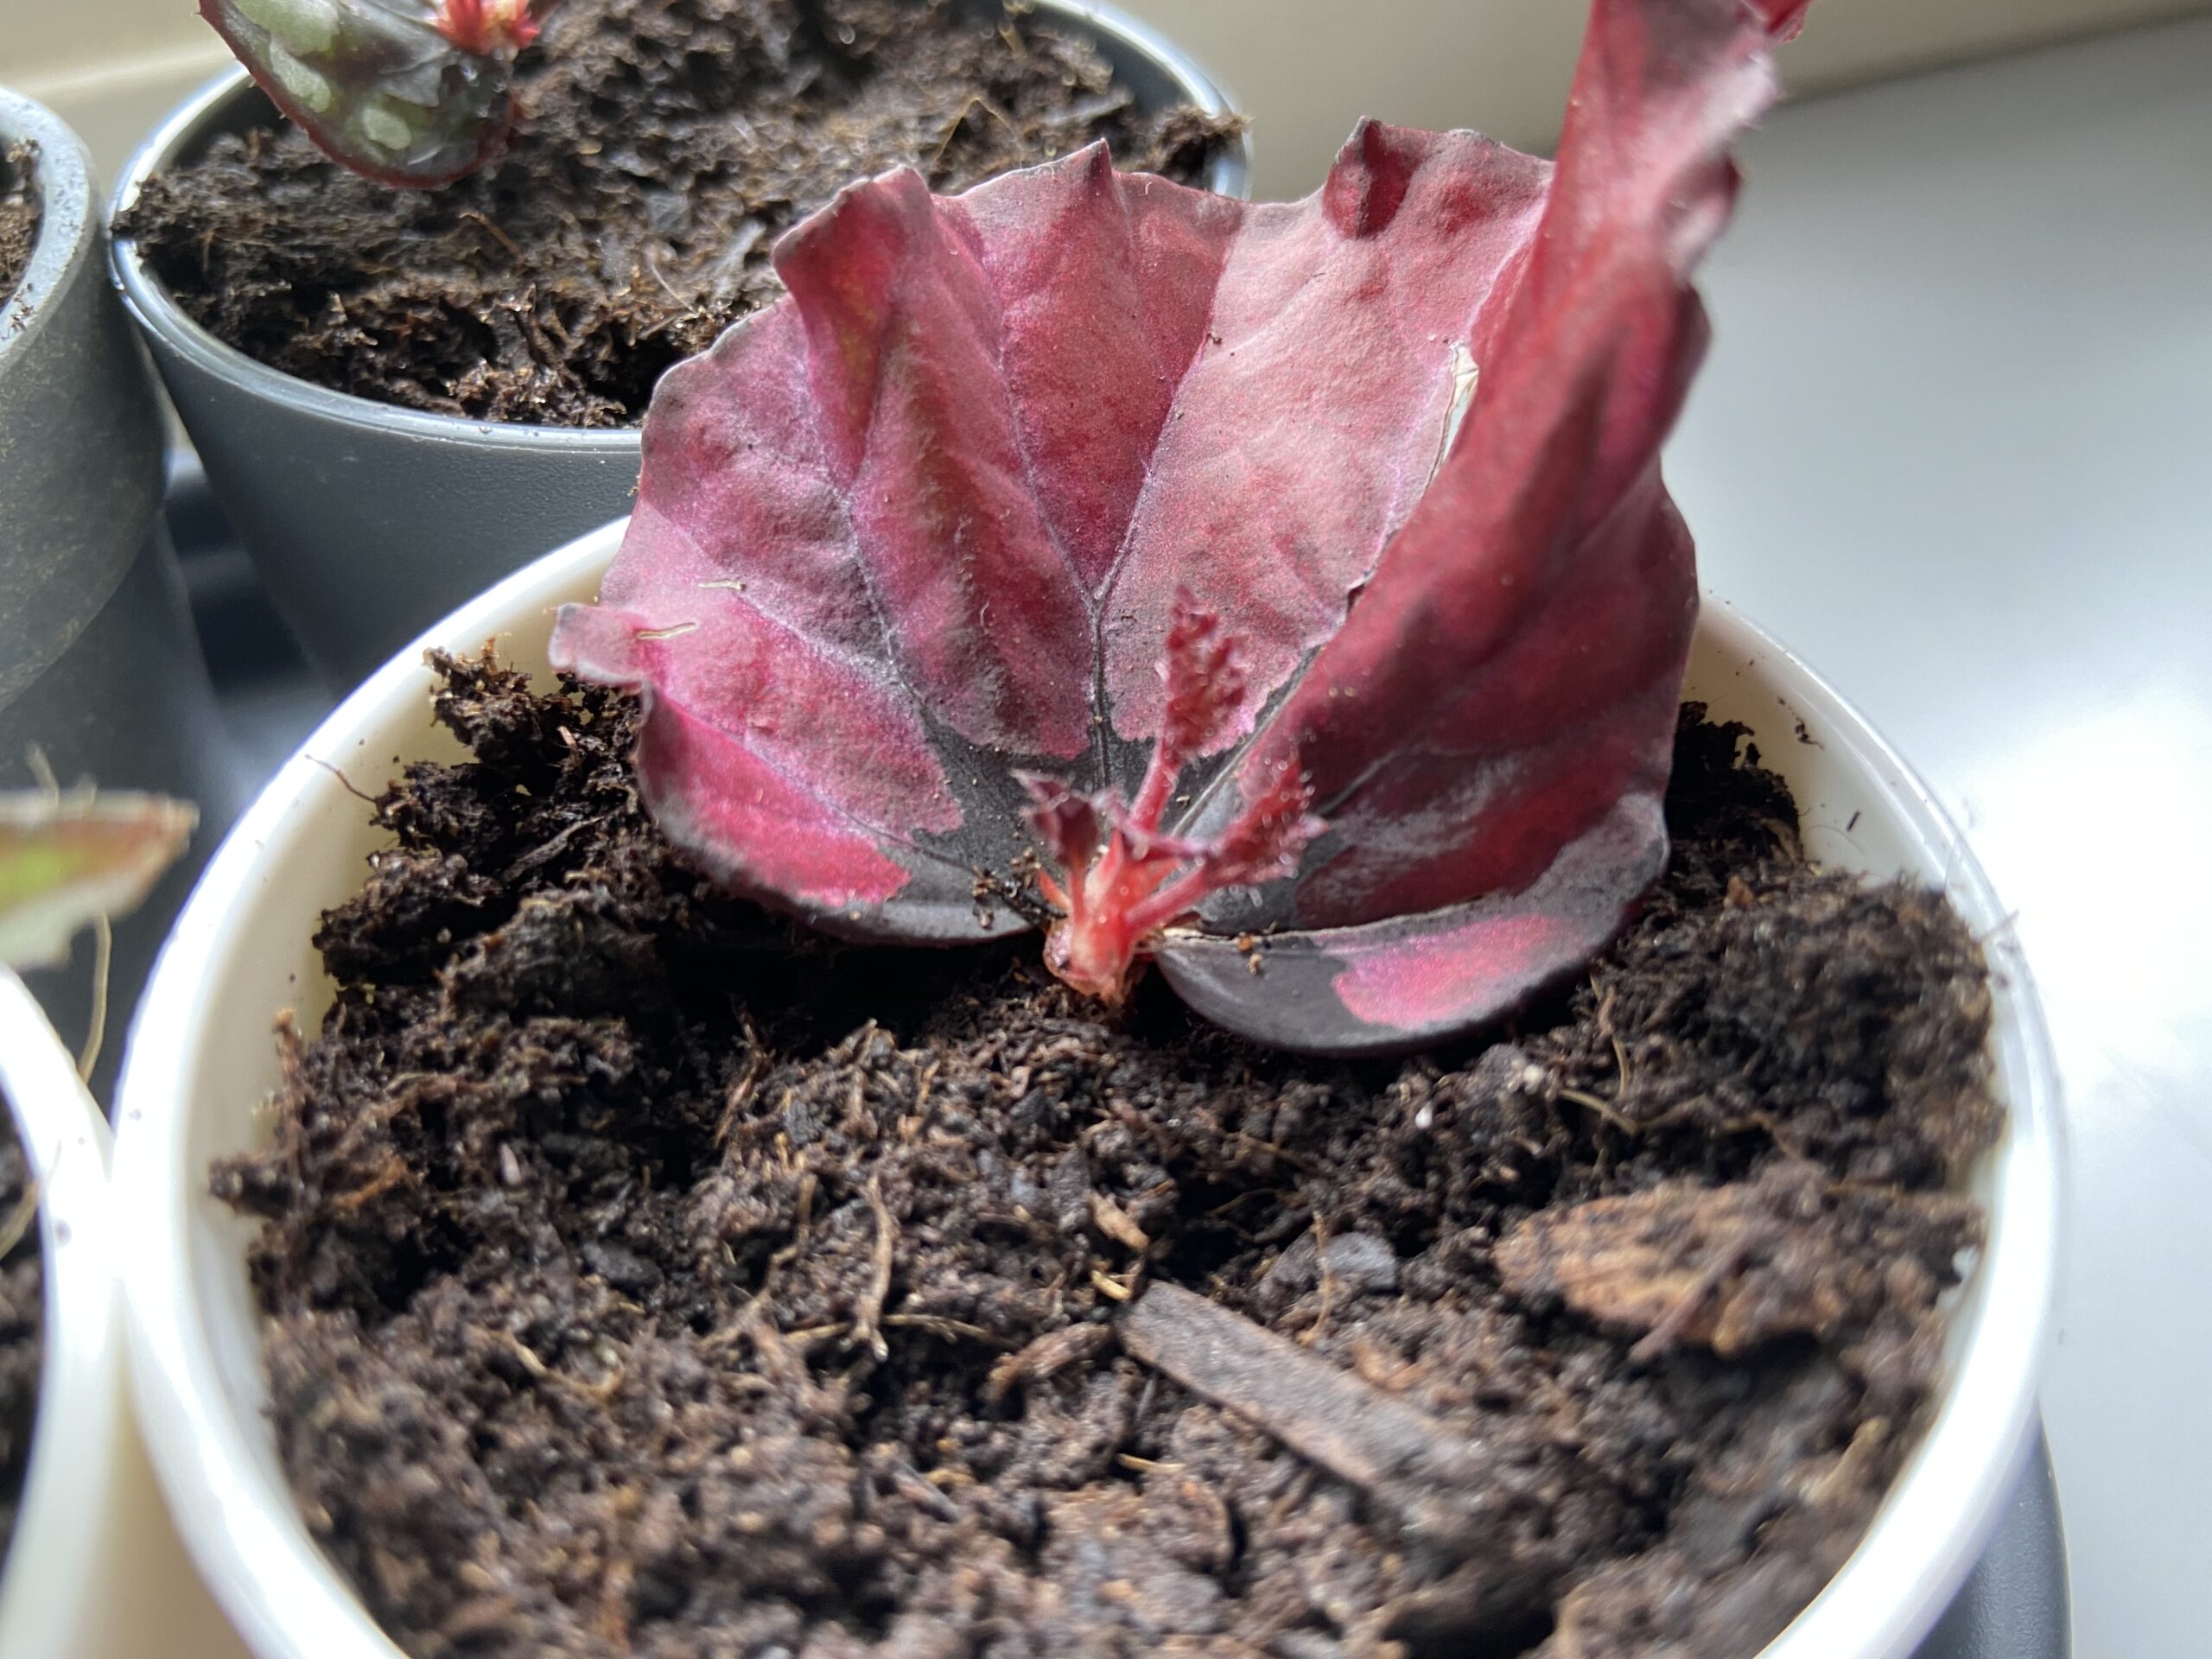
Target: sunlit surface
1956	445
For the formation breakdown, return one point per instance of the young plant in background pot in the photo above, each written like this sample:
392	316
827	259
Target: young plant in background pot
67	1463
100	670
1533	1209
406	379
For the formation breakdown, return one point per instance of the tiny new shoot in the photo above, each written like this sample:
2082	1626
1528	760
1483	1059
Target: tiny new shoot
1121	886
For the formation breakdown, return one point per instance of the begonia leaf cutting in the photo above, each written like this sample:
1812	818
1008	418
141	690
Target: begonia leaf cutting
1288	591
409	93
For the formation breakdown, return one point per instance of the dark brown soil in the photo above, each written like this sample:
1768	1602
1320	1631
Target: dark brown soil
22	1314
664	145
19	218
646	1278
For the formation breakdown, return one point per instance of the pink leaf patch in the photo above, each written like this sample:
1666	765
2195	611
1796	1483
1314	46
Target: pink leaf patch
1296	581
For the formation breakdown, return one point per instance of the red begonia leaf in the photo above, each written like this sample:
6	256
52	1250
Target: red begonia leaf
1299	571
409	93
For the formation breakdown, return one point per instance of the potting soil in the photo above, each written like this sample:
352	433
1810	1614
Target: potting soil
21	1315
646	1275
19	217
662	147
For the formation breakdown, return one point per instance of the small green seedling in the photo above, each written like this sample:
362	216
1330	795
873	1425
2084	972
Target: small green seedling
68	860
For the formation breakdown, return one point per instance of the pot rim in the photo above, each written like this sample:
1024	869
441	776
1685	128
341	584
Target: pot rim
157	312
68	222
1958	1481
56	1560
241	1523
61	560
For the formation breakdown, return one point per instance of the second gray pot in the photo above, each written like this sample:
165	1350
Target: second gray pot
100	670
367	522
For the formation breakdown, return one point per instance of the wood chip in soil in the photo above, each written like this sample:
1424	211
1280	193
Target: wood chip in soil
644	1276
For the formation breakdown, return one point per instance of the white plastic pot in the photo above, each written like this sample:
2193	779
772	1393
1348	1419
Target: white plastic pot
202	1063
54	1566
94	1571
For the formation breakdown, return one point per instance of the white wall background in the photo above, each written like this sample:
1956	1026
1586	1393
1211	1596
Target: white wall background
1306	69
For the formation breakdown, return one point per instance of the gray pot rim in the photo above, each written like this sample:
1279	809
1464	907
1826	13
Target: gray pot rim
68	221
155	310
69	537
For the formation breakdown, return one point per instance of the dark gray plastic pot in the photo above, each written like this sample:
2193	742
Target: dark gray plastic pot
368	522
99	667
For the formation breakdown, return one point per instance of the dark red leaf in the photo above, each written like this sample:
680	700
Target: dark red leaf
1218	517
409	92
